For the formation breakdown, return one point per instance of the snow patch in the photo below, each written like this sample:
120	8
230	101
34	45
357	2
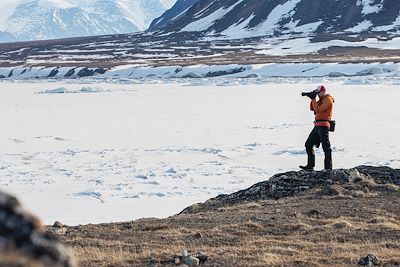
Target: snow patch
206	22
63	90
279	13
362	26
369	6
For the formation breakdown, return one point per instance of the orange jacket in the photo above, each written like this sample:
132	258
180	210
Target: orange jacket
323	110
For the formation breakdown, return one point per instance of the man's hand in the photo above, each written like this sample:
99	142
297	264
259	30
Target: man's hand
312	95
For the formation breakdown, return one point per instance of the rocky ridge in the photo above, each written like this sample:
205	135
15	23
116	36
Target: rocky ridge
358	180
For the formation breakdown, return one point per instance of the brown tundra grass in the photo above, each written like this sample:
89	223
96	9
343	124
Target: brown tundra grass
304	230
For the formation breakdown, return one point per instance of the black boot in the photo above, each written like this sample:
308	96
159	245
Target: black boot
310	159
307	168
328	160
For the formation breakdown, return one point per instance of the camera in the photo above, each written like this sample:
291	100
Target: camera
312	94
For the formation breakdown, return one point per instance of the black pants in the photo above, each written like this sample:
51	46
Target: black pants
319	135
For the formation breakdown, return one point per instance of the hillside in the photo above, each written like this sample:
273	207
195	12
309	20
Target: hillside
135	55
293	219
249	18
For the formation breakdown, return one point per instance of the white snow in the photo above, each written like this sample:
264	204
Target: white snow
369	6
50	19
305	28
206	22
6	9
63	90
362	26
280	12
305	46
238	30
150	150
56	4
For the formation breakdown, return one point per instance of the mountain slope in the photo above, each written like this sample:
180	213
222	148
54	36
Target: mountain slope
247	18
51	19
174	13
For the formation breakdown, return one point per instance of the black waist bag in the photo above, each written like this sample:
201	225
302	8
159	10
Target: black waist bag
332	126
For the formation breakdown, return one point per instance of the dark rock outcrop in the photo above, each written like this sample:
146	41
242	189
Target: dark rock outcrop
222	73
70	73
292	183
370	260
23	241
86	72
53	73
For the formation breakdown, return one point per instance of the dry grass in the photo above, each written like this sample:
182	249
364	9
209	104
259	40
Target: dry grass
308	230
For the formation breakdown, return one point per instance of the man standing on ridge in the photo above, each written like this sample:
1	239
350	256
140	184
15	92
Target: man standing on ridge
323	110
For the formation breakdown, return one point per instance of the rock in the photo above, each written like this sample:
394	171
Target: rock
355	176
186	259
53	73
314	213
100	71
58	224
253	218
22	235
178	260
70	73
185	253
197	235
201	256
60	231
152	262
370	260
224	72
191	261
333	183
85	72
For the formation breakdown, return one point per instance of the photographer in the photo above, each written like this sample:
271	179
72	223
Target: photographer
323	110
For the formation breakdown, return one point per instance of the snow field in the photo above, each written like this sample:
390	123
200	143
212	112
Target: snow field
126	151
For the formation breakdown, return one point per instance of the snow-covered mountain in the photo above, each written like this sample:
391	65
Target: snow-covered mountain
248	18
6	37
51	19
